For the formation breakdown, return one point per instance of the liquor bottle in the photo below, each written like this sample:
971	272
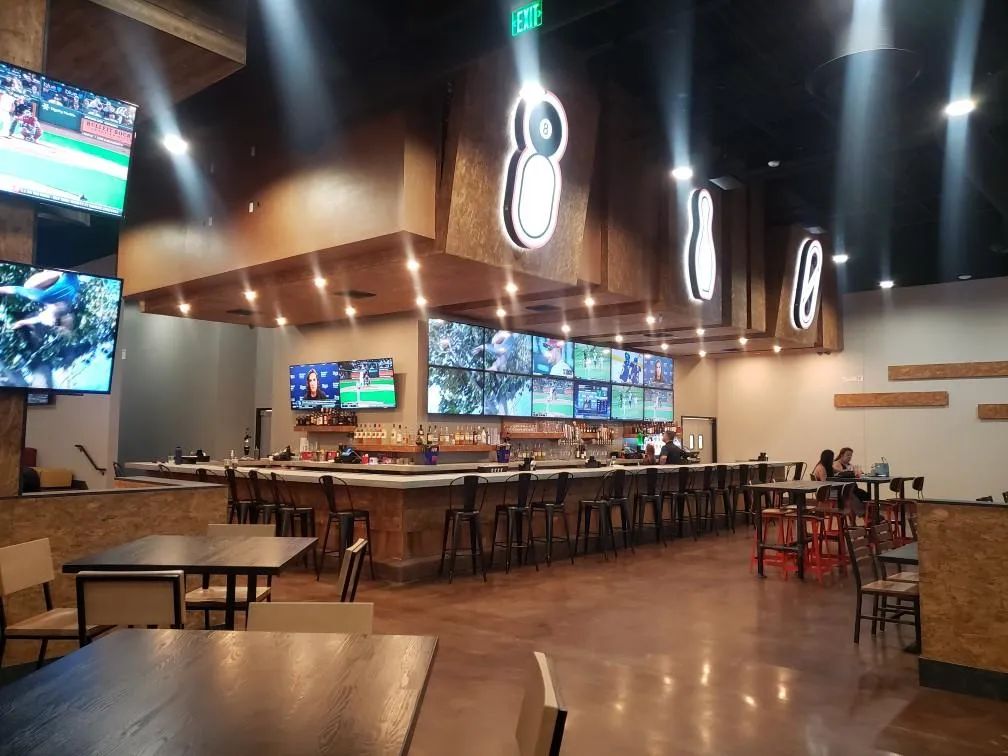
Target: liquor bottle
428	436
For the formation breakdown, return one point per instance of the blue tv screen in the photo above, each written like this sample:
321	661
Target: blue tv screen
315	385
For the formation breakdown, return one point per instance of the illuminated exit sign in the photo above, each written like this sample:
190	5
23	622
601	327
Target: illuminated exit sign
526	18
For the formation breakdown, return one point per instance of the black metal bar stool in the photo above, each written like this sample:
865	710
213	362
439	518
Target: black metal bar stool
551	509
720	487
701	487
678	494
611	494
516	512
290	517
258	506
345	521
466	496
651	494
237	506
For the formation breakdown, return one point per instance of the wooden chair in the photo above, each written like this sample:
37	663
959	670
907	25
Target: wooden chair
350	569
311	617
543	715
882	539
143	598
881	591
213	598
27	565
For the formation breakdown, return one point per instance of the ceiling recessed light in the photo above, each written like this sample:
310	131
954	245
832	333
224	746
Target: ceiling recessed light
702	353
700	331
619	339
320	282
650	320
743	340
965	277
250	295
565	328
281	320
887	284
589	302
350	311
184	308
501	312
412	265
175	144
511	288
962	107
773	163
841	258
682	173
421	302
776	348
664	347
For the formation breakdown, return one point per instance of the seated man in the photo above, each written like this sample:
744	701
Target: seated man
671	454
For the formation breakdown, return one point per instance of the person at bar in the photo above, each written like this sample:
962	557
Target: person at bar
823	470
649	455
671	454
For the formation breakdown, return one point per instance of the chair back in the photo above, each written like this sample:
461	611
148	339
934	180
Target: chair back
310	617
241	530
202	475
330	486
707	477
846	493
350	569
277	485
118	469
682	480
651	483
232	483
522	485
822	494
612	486
143	598
1004	496
861	557
563	485
897	486
799	471
254	487
543	715
25	565
721	474
918	486
986	498
467	493
763	472
743	475
779	473
881	536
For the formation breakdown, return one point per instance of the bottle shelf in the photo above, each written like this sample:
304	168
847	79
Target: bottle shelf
535	435
325	428
370	446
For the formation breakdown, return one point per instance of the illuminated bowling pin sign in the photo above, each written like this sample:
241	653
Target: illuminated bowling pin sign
532	188
807	280
700	255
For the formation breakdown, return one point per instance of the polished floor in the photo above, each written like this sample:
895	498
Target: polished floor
671	651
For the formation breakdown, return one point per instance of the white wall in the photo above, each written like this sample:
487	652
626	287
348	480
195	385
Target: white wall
784	405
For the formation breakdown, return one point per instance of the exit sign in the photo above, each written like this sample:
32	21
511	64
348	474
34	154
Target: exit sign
526	18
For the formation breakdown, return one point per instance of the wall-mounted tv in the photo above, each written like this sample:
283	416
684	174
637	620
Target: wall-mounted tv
63	145
367	384
314	385
451	391
553	357
627	403
658	405
627	367
552	397
591	400
451	344
657	371
58	329
591	362
507	395
507	352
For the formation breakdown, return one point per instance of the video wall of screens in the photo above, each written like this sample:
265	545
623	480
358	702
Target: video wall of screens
476	370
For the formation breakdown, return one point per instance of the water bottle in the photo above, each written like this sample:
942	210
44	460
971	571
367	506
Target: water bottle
178	455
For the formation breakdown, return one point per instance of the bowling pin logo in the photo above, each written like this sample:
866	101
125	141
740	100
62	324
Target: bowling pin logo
807	277
701	257
532	188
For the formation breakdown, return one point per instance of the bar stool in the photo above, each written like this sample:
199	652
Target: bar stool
237	506
517	517
799	471
611	493
202	475
551	510
836	521
775	518
680	500
739	488
289	514
258	505
817	560
652	495
466	496
345	521
700	487
720	487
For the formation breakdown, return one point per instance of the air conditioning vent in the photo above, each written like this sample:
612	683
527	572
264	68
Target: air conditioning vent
242	312
543	308
357	294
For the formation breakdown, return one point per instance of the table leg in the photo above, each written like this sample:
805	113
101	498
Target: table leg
250	595
758	506
229	602
801	533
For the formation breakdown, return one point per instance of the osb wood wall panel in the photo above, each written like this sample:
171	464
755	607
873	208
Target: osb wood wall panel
948	371
755	263
81	524
484	107
964	603
992	411
22	33
891	399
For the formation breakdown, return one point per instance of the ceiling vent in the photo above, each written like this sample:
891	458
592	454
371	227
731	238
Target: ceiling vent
542	308
242	312
358	294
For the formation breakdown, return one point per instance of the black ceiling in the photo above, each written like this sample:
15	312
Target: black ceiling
735	75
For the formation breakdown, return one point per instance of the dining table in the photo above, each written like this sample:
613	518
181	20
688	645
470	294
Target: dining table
230	556
174	692
905	555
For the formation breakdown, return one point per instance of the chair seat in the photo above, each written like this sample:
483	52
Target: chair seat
905	577
891	588
217	595
56	623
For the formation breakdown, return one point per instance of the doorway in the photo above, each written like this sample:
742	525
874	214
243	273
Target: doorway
264	422
699	435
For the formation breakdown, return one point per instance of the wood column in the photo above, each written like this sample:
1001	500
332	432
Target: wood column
22	42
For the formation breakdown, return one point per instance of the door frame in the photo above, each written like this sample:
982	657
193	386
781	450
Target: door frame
260	411
713	421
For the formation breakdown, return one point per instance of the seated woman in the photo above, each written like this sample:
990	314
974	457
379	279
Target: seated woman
843	468
824	468
649	455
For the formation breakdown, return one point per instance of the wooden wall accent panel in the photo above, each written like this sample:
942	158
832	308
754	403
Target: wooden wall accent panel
891	399
948	371
756	265
992	411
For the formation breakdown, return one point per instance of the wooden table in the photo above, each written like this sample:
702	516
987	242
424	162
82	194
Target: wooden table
904	555
189	692
205	555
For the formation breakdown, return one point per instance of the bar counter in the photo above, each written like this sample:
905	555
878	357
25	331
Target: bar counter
407	506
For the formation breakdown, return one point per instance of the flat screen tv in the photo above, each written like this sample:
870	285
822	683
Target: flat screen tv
367	384
451	391
58	329
591	400
63	145
452	344
657	371
658	405
552	397
627	403
507	395
554	357
591	362
507	352
314	385
627	367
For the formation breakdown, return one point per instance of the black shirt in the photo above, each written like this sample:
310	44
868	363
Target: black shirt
672	453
